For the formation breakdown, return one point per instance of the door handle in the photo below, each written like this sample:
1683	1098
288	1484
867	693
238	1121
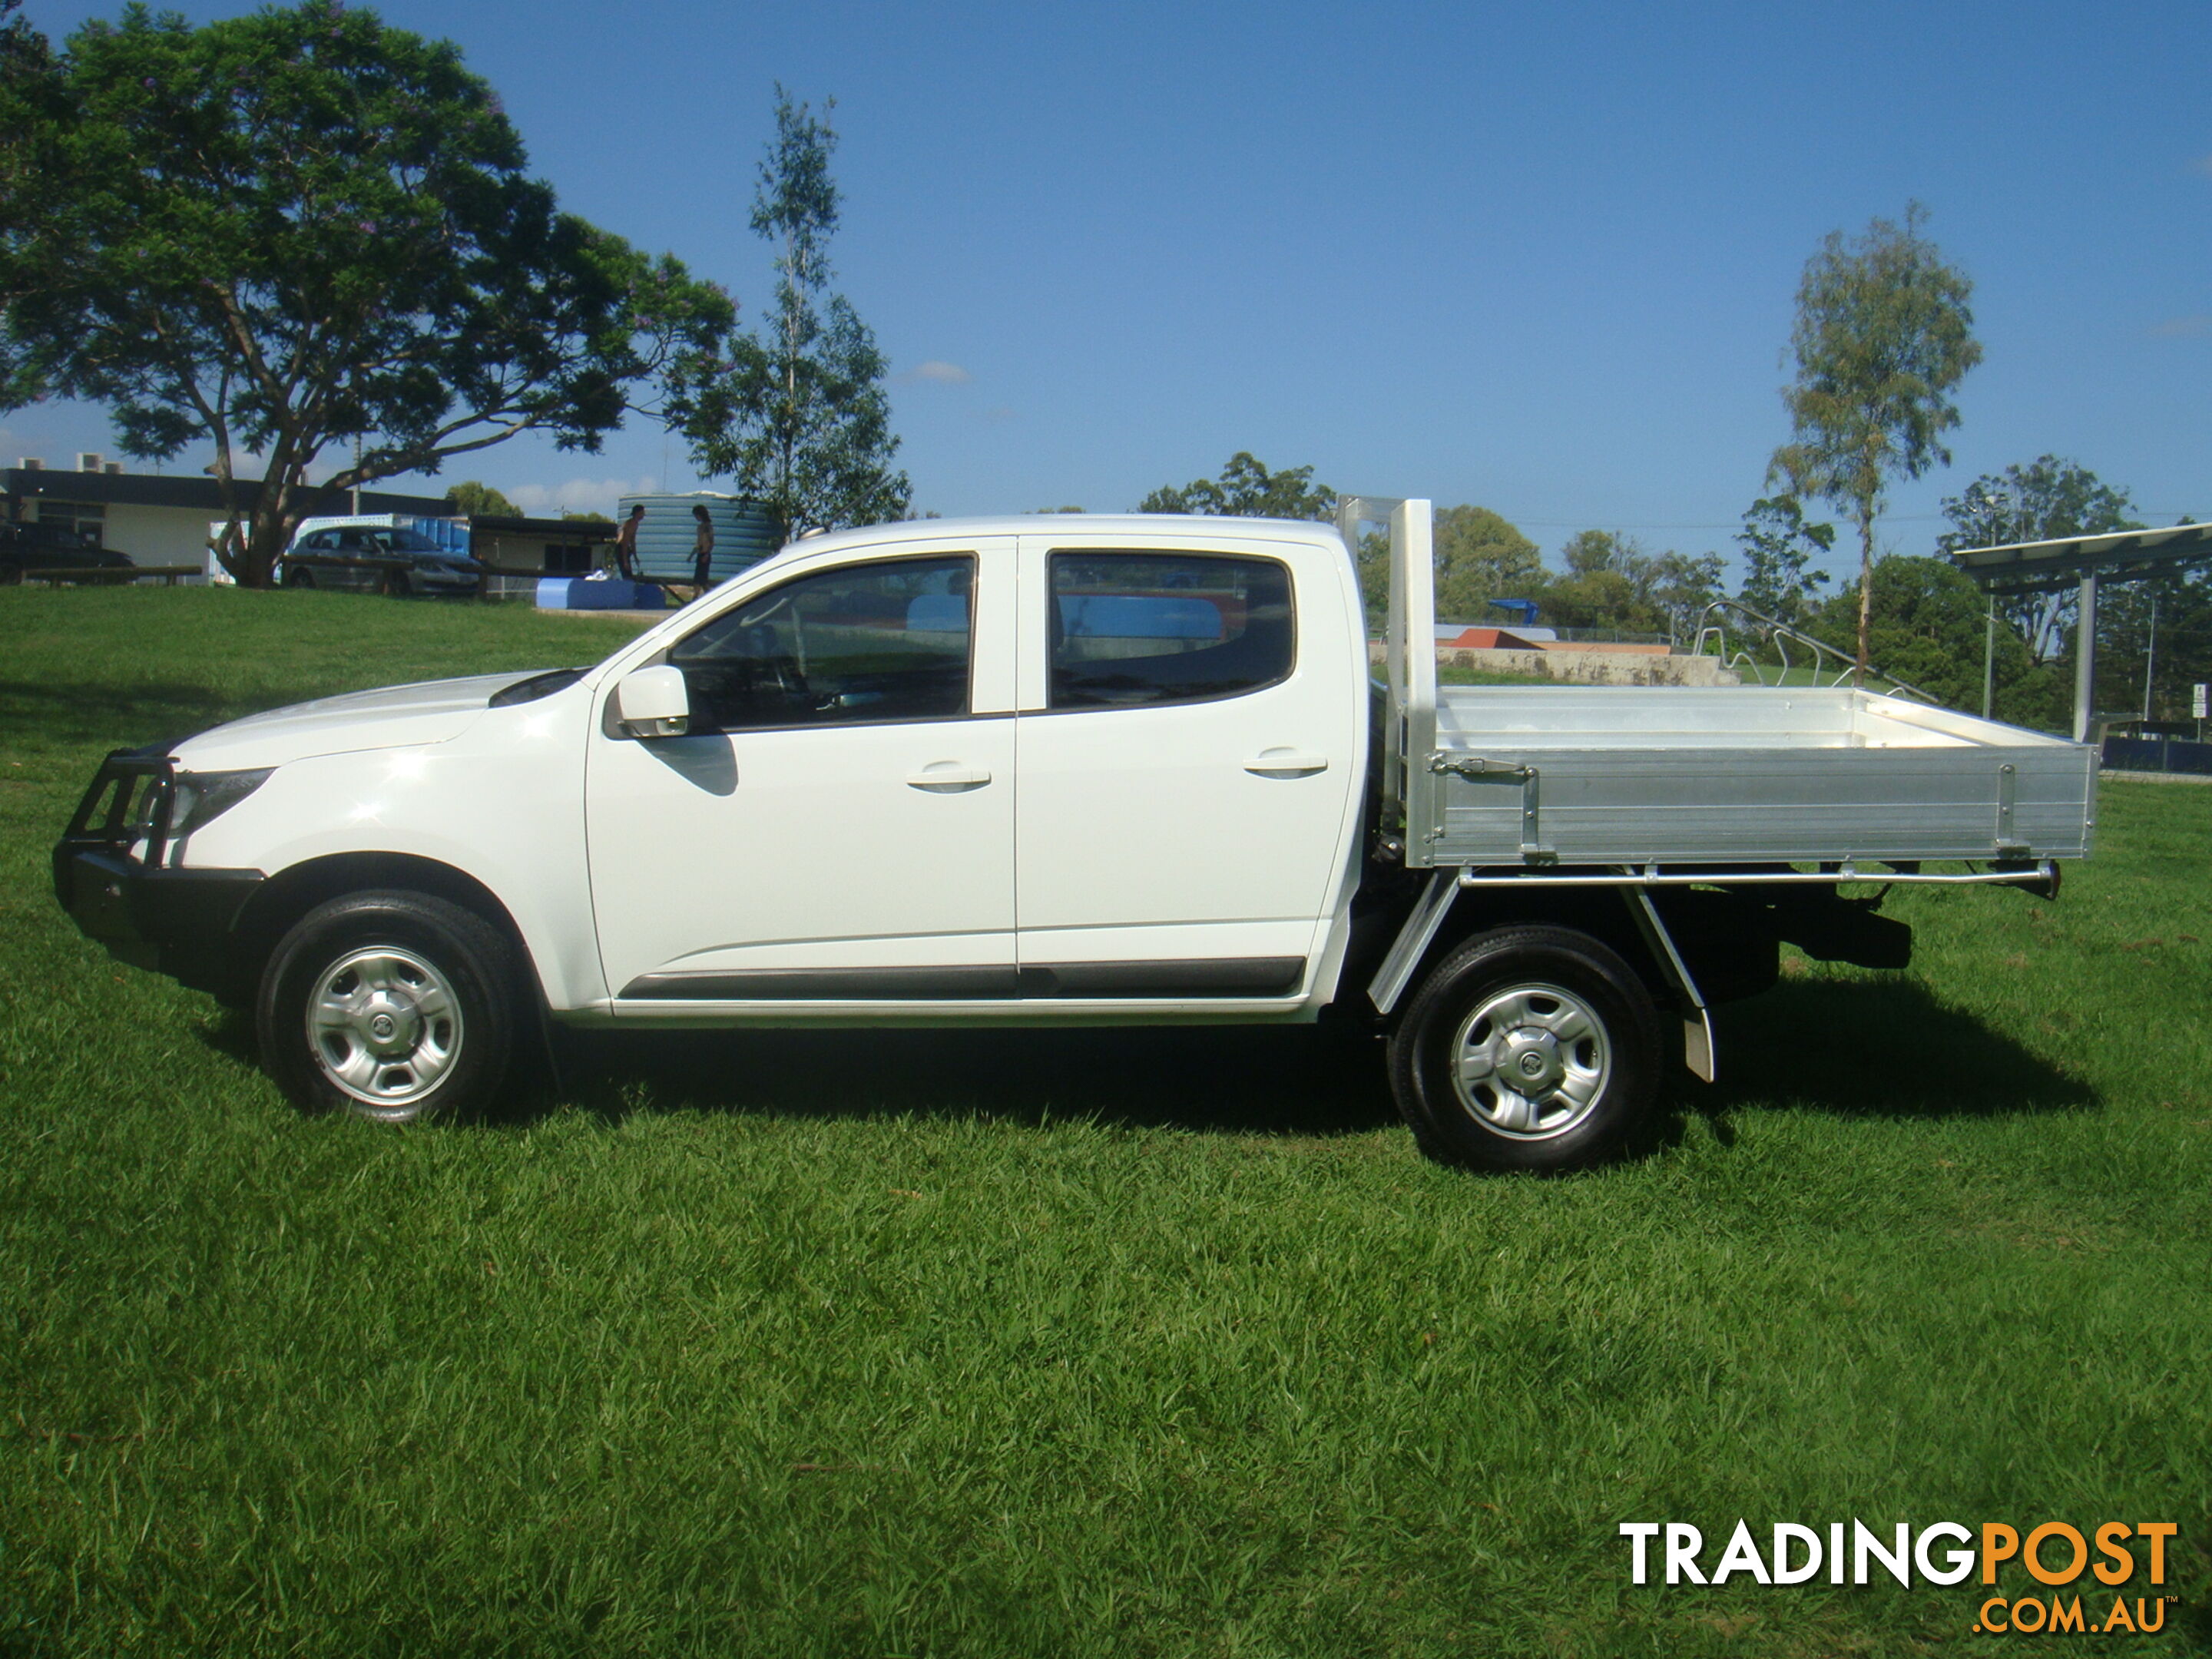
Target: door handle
1285	763
948	778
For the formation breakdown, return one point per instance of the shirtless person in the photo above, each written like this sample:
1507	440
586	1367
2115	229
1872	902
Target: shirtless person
626	543
702	549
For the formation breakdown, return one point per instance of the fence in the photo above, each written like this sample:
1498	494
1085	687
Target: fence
2157	755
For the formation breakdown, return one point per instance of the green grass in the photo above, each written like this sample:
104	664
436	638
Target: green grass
1038	1343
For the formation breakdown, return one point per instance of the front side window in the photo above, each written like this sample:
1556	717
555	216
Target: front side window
1131	629
868	643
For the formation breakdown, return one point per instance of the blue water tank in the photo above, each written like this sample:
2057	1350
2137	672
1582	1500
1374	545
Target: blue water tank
744	534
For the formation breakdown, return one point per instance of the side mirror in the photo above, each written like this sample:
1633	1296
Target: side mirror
653	702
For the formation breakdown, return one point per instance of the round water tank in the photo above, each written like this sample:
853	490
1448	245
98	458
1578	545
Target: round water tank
744	534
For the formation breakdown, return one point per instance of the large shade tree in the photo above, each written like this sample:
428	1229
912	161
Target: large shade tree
299	234
1883	336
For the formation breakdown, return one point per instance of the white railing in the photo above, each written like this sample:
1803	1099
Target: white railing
1822	657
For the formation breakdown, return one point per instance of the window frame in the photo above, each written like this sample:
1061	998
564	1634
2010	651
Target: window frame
974	560
1053	637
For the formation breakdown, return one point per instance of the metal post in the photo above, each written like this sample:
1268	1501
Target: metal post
2085	659
2150	656
1989	657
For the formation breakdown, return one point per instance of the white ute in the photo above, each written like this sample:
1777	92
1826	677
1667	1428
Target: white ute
1043	771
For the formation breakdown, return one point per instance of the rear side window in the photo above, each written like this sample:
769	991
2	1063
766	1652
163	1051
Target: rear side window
882	641
1132	629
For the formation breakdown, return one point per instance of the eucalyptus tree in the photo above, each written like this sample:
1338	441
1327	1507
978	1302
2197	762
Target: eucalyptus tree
1884	334
1779	546
798	414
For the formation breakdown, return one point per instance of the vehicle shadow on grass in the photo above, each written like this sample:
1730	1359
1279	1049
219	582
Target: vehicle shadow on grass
1234	1080
1870	1048
1876	1047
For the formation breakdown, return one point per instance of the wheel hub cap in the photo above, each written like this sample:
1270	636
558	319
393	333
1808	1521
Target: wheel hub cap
1530	1061
385	1025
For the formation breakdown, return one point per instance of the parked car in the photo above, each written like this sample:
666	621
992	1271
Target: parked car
379	558
37	546
1044	771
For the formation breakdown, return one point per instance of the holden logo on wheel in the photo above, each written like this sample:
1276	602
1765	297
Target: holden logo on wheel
381	1025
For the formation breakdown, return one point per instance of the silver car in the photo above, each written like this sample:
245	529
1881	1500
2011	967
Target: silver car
380	560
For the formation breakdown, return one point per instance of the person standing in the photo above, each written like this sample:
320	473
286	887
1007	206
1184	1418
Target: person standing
702	549
626	543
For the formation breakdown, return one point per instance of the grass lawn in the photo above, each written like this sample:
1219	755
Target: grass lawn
1038	1343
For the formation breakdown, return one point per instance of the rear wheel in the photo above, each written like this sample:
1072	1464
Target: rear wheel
299	575
391	1004
1526	1048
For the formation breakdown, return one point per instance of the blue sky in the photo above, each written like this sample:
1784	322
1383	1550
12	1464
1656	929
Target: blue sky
1542	258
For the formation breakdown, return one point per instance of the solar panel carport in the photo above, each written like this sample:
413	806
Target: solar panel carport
2047	567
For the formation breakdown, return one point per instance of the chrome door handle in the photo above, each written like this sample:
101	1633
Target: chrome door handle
948	778
1285	763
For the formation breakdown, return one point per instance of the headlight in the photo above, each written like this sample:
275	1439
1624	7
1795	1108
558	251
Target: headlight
202	797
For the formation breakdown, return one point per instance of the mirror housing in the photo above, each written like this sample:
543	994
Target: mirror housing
652	702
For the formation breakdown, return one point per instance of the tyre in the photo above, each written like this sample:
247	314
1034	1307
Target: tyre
397	585
392	1005
1528	1048
299	575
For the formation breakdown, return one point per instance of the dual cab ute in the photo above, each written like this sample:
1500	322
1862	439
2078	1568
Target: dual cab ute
1050	770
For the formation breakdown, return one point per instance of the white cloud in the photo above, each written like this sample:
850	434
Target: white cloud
939	372
2183	328
577	495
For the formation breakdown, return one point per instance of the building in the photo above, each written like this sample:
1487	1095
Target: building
152	519
157	519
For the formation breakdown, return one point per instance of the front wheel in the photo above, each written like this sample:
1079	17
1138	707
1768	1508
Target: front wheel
299	575
1526	1048
393	1006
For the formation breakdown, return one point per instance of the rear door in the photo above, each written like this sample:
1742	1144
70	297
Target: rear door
838	827
1189	734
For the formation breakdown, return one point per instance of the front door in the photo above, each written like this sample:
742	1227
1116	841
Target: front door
837	824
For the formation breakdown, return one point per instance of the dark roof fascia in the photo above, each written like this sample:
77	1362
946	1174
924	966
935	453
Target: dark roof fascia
201	493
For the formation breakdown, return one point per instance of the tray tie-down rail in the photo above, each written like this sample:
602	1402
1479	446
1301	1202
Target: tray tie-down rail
1476	769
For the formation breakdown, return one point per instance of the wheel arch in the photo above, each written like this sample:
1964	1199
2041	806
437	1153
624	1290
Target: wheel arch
288	895
1601	912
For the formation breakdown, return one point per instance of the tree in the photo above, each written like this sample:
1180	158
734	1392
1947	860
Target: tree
1680	585
30	126
801	418
1613	582
1926	629
1246	489
2047	500
1883	336
299	228
1481	556
472	500
1779	546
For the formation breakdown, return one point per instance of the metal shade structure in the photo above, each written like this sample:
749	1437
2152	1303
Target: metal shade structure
2048	566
